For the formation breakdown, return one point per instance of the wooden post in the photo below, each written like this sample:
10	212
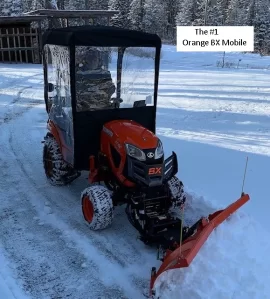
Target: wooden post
14	45
39	41
32	45
1	45
25	45
19	44
8	44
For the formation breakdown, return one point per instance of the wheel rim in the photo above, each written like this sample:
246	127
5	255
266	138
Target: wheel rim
88	209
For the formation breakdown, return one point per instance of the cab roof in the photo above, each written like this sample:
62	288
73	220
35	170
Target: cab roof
89	35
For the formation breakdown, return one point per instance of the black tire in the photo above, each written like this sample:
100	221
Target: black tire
57	171
97	207
178	194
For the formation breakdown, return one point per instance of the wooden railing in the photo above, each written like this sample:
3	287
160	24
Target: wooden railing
20	44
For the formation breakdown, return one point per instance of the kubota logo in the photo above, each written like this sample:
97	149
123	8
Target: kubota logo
154	170
150	155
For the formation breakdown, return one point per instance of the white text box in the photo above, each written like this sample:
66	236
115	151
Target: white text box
215	38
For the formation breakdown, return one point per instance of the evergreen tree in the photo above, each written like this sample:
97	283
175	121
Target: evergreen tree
136	14
237	10
217	13
76	5
11	7
155	17
171	7
250	14
186	14
262	27
201	12
96	4
121	19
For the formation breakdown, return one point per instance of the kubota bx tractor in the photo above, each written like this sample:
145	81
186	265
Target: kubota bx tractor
101	86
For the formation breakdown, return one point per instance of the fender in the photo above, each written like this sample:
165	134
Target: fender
56	132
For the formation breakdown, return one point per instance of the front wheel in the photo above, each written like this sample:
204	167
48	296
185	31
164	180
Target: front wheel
177	192
97	207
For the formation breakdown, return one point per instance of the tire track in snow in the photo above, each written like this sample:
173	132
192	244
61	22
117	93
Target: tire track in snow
11	115
29	103
16	81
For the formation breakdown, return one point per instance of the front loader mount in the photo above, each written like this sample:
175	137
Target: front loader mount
193	240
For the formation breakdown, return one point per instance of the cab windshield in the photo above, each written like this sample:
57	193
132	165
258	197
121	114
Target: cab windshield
114	78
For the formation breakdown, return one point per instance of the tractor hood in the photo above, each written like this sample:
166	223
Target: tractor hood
128	131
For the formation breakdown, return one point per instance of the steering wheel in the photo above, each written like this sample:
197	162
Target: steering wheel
116	102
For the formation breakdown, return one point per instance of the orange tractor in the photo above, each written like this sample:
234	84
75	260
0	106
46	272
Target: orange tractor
101	86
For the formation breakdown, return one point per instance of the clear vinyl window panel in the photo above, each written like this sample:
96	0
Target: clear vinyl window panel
114	78
138	77
59	97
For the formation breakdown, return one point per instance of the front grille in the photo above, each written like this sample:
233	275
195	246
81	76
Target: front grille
150	174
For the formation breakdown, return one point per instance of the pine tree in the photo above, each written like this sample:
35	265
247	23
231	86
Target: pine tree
136	14
96	4
237	10
11	7
154	17
171	7
186	14
76	5
217	13
262	26
250	14
201	12
121	19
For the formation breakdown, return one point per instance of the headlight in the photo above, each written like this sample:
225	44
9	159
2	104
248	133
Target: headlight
135	152
159	150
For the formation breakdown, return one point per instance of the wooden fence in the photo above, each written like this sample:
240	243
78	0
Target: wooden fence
20	44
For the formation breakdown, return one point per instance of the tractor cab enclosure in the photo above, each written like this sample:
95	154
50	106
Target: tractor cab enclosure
94	75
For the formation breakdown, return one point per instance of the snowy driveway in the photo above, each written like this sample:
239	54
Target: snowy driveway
212	119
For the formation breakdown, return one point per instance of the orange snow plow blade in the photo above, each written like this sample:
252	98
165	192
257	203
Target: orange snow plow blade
183	255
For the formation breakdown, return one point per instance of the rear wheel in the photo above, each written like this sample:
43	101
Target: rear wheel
57	171
178	194
97	207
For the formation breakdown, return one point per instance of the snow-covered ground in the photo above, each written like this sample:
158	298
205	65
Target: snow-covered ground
8	285
213	119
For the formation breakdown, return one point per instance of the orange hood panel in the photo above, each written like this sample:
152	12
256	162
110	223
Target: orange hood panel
128	131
